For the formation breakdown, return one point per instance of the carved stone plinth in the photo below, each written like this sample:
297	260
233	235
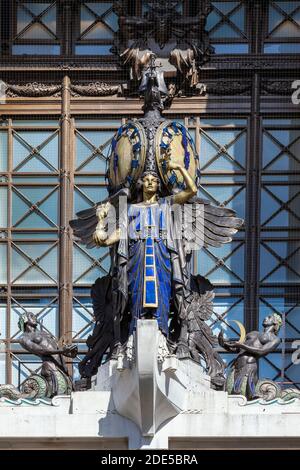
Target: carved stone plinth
154	387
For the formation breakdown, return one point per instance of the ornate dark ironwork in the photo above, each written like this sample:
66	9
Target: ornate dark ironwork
164	31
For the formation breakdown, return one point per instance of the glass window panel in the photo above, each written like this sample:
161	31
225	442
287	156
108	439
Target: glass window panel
22	366
2	362
220	266
231	48
287	29
232	197
35	122
85	197
39	49
288	7
269	203
35	179
47	214
23	144
112	20
211	142
3	207
99	7
226	312
238	18
282	122
34	235
37	8
3	151
23	19
36	31
212	19
98	122
268	368
82	319
86	143
33	275
224	31
225	7
87	19
93	49
233	122
83	270
271	270
3	314
99	31
3	264
49	19
282	48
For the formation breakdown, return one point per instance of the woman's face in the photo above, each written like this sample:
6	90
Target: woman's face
150	184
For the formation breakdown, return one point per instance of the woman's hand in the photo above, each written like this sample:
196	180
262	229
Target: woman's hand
172	165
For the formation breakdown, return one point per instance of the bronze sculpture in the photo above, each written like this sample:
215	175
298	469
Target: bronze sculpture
243	376
156	228
53	378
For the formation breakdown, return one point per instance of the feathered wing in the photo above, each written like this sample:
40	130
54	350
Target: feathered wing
86	222
208	225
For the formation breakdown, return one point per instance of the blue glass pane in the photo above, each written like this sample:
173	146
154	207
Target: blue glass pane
224	31
282	48
35	122
271	270
231	48
22	366
37	32
232	197
2	362
270	205
47	262
231	268
3	207
24	235
37	8
233	122
99	7
212	19
112	20
275	18
87	196
82	319
238	18
268	368
3	264
2	327
41	49
93	50
47	214
86	145
3	151
46	160
84	271
98	122
288	7
235	145
225	7
98	31
226	312
287	29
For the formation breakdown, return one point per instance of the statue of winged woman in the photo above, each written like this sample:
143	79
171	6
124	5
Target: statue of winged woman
157	220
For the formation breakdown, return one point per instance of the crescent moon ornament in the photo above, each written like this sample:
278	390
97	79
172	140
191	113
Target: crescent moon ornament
242	330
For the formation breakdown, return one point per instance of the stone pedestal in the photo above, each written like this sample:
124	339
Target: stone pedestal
151	389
